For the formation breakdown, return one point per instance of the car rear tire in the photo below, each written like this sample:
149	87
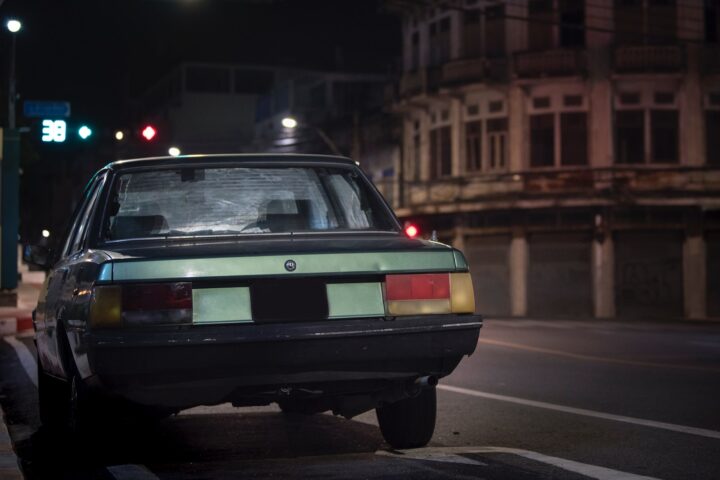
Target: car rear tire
409	423
53	400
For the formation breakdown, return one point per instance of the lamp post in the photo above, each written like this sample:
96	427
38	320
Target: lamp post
291	123
10	183
13	26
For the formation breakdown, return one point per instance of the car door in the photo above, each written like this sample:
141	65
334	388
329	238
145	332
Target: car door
60	285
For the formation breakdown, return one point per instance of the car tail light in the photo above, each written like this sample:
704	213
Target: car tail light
141	304
429	293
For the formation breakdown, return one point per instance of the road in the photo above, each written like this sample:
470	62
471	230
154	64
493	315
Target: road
538	399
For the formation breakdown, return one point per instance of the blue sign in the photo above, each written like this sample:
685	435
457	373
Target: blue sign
38	108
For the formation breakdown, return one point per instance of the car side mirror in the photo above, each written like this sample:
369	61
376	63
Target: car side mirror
38	255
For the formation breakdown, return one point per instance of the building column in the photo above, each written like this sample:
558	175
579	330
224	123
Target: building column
603	272
518	274
459	238
456	136
517	141
695	277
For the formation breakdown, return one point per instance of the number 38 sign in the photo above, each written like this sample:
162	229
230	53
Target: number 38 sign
54	131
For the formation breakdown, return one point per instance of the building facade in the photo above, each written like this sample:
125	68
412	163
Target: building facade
571	148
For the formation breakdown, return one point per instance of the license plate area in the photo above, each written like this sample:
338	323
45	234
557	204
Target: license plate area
288	300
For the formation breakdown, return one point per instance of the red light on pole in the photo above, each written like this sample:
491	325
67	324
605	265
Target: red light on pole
149	132
411	230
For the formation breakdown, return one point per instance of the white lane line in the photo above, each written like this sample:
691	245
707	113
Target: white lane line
27	359
592	471
131	472
432	455
587	413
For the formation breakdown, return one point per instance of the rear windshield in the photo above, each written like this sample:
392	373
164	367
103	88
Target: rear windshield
241	200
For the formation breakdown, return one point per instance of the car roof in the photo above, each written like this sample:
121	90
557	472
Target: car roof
195	160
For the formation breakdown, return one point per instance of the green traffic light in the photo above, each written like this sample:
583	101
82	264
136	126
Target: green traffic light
84	132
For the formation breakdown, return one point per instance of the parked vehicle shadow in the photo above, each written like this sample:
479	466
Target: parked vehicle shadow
196	439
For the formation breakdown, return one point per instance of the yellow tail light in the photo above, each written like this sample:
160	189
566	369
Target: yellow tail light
106	307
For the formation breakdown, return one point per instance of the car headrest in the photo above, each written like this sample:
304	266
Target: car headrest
138	226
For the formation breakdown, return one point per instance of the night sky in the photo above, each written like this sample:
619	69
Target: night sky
99	54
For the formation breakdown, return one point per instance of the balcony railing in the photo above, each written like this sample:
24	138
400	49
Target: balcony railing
649	59
469	70
550	63
421	81
619	183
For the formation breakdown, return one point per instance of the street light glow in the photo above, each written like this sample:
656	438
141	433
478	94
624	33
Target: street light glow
119	135
14	25
46	233
289	122
174	151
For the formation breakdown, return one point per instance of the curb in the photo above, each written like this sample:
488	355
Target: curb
9	463
13	325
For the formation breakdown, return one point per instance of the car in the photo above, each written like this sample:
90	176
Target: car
249	279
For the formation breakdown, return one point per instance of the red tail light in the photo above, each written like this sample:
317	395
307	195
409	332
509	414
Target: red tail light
425	286
411	230
158	296
141	305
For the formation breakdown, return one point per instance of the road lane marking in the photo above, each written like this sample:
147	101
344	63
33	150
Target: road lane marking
440	453
431	455
27	359
131	472
587	413
593	358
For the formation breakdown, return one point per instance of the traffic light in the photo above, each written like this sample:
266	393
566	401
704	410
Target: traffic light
149	132
84	132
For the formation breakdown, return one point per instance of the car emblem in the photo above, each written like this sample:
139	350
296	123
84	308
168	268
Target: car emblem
290	265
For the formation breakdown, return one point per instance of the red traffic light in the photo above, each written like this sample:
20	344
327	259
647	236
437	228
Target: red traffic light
149	132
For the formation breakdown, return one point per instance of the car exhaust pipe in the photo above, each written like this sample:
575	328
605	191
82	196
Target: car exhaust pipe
426	381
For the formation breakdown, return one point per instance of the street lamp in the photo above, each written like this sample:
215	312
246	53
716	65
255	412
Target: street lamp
14	26
291	123
174	151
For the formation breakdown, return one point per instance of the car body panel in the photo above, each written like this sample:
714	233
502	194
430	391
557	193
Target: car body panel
274	265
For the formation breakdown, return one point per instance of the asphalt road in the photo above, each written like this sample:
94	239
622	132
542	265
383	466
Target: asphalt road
550	400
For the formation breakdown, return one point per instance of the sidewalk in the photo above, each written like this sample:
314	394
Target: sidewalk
18	319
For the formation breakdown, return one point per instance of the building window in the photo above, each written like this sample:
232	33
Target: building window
647	132
712	129
494	31
629	136
558	130
414	51
440	152
712	136
484	32
712	21
540	24
486	136
572	23
542	140
473	148
496	136
440	41
639	22
573	145
472	33
664	134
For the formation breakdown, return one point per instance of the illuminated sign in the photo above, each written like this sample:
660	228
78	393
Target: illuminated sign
53	131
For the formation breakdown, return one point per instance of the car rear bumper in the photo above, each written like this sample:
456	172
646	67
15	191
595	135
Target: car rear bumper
213	364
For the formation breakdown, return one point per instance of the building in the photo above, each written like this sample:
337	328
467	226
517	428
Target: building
571	148
336	113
